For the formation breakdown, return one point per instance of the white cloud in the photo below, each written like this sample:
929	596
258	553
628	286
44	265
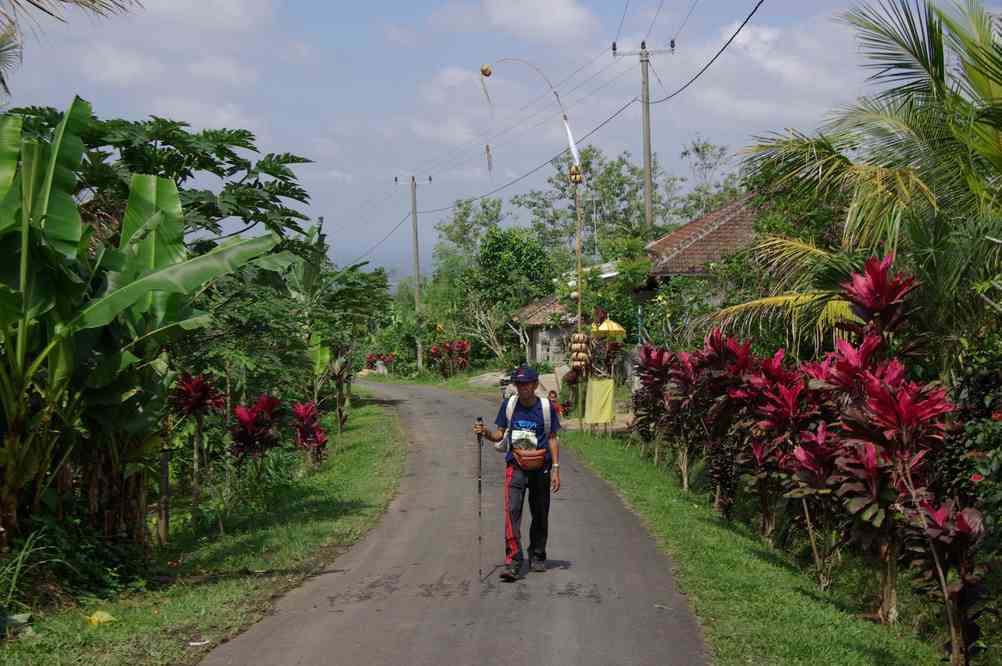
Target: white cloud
203	114
452	130
214	15
543	20
117	66
547	21
221	69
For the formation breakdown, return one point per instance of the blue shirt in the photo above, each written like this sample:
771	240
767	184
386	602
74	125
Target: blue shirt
529	418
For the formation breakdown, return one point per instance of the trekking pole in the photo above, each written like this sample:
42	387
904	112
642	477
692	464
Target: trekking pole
480	502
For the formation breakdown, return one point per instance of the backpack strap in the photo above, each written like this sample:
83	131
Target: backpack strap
509	411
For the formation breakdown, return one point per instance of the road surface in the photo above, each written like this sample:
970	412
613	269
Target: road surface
408	594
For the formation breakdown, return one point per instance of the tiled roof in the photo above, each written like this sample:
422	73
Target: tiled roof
540	313
691	247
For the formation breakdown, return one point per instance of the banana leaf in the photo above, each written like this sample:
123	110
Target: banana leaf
54	210
181	278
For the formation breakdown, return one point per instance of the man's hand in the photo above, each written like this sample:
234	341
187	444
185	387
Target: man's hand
555	480
480	428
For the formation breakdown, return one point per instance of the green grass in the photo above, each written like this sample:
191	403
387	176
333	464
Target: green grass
459	383
226	584
755	605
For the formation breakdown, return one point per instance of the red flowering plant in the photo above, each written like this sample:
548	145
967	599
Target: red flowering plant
652	368
877	297
450	357
814	472
943	543
255	431
720	369
310	436
387	359
195	396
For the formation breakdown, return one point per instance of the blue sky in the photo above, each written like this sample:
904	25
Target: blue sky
373	90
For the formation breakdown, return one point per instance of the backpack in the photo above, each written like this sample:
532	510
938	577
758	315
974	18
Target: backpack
505	442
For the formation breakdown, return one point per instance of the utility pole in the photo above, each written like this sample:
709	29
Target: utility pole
417	269
645	97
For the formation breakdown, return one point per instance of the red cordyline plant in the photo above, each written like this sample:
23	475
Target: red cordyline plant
653	365
954	535
310	436
195	396
255	432
813	468
450	357
387	359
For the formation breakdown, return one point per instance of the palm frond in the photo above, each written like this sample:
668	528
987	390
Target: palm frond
904	42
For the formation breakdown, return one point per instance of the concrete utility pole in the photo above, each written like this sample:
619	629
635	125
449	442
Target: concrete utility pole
645	97
417	274
417	270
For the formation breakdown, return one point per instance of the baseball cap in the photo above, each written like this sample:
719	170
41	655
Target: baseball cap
524	375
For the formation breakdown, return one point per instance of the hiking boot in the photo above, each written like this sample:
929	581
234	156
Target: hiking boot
512	572
538	566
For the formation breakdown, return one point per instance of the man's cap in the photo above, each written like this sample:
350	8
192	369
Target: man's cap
524	375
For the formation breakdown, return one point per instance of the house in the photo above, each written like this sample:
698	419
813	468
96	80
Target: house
690	249
687	251
547	323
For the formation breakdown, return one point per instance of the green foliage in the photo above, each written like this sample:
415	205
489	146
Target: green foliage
616	295
513	268
258	193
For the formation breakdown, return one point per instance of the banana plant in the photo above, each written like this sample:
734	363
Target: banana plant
66	289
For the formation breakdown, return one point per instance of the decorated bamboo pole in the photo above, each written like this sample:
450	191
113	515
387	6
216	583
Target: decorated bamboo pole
579	353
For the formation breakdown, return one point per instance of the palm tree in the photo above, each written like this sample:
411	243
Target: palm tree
919	166
13	12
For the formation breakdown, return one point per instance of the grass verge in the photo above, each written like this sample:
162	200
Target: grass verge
224	584
459	383
755	606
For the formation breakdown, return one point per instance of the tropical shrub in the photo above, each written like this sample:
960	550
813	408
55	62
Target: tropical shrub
849	438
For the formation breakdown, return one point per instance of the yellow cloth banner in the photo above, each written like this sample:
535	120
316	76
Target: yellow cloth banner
599	406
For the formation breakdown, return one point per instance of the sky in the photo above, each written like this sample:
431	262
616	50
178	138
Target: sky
371	91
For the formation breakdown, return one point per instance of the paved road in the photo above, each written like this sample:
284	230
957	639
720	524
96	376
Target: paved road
409	593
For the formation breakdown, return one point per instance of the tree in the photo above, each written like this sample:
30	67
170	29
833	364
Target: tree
513	268
74	315
258	193
467	225
917	167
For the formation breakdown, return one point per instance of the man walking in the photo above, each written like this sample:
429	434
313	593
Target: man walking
527	434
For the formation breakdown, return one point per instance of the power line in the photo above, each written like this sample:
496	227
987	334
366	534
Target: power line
525	128
585	136
654	20
692	7
383	239
525	175
485	135
714	58
620	29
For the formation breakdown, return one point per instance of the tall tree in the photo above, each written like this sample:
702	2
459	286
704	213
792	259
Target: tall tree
918	166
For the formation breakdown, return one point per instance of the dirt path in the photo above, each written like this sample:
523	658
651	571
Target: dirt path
408	594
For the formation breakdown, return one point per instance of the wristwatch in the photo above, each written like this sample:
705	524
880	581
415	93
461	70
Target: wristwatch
557	465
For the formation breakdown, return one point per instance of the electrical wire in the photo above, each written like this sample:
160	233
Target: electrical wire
553	116
621	21
520	124
714	58
692	7
654	20
485	136
585	136
382	240
525	175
